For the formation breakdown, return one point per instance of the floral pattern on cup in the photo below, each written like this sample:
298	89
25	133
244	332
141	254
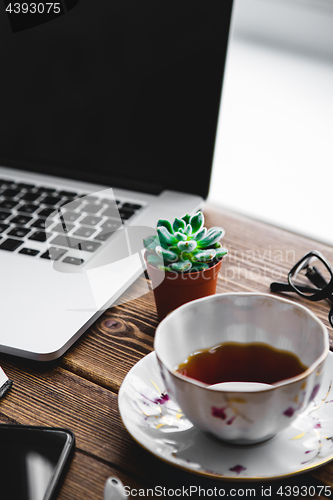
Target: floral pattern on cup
299	402
230	411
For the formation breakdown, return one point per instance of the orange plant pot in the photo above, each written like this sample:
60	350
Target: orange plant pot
175	289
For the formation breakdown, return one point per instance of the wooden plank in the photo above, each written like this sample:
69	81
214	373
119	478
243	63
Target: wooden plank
79	390
86	478
120	338
258	254
55	397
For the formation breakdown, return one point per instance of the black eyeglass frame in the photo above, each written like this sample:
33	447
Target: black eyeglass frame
323	289
320	293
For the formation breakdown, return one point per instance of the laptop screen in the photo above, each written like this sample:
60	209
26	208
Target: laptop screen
117	92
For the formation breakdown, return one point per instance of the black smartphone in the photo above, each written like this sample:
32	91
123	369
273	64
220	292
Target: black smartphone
33	461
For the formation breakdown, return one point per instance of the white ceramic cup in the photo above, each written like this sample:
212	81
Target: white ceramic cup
241	414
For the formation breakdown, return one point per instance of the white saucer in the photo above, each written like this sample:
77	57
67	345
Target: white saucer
158	425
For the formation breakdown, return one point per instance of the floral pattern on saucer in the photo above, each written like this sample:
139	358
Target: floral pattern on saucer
154	408
157	423
317	428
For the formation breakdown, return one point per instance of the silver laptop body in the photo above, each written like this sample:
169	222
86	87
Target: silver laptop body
108	129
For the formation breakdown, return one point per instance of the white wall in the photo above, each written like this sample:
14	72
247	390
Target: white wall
274	150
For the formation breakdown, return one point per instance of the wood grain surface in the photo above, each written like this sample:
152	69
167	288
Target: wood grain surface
79	391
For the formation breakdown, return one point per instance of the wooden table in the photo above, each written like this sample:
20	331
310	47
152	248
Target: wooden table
79	391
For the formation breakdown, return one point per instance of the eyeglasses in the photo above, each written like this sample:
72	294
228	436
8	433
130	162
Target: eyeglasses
315	268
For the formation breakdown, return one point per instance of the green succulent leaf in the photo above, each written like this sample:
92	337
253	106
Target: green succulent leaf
186	218
200	234
199	266
167	255
154	260
184	245
166	237
175	249
185	256
164	268
221	253
197	222
187	246
213	235
216	245
188	230
180	236
179	224
151	242
165	223
204	255
181	266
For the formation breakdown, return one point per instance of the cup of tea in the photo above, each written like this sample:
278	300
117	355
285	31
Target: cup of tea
242	366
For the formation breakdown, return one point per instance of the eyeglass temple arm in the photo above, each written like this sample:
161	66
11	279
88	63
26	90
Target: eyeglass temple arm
285	287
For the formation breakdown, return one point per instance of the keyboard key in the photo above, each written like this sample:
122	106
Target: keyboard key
68	216
73	260
39	224
11	193
46	212
91	208
111	211
110	225
3	227
10	245
53	253
131	206
90	246
102	236
21	220
28	209
106	201
29	251
91	221
85	232
125	214
4	183
8	204
4	215
39	236
63	228
68	241
19	232
46	190
72	205
30	196
23	185
68	194
51	200
90	198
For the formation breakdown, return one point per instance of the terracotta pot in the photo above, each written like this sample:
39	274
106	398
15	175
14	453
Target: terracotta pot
175	289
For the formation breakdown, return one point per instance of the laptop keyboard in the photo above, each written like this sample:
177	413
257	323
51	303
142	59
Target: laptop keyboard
54	224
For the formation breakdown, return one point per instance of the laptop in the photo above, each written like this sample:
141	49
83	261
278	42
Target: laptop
108	122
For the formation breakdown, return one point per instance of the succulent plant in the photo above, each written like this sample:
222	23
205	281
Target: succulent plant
185	245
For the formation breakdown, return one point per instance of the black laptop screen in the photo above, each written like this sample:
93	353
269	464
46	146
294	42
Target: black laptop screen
117	92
